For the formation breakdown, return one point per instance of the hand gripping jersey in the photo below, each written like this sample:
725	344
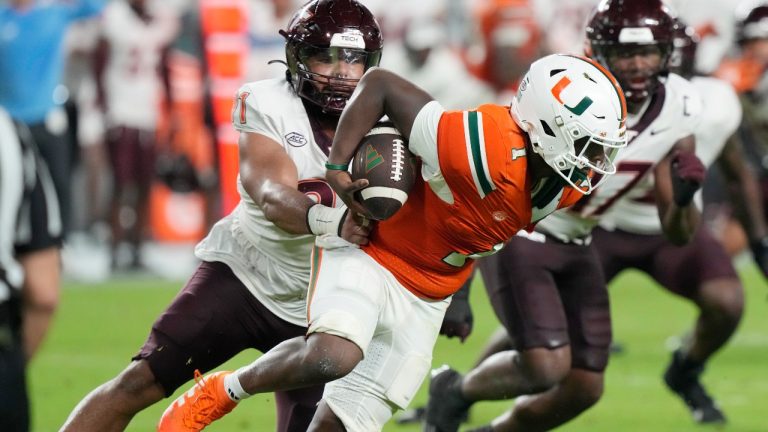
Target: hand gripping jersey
673	113
477	195
272	263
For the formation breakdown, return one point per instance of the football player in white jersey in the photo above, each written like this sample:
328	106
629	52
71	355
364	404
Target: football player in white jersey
701	271
746	72
547	287
250	290
134	38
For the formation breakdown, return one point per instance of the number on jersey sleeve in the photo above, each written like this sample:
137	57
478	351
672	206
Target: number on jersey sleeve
319	191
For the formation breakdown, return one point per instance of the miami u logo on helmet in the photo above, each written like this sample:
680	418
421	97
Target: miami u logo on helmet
580	107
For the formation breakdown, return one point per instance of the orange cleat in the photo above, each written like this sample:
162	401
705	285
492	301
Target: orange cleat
194	410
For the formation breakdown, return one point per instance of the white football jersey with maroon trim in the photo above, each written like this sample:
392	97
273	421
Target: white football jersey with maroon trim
720	116
273	264
673	113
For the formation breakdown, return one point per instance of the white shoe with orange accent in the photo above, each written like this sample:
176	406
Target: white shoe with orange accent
202	404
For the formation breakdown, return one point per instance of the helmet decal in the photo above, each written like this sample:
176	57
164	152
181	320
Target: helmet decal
580	107
349	39
612	79
636	35
579	147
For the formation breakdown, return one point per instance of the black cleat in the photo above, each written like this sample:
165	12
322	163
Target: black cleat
683	379
446	408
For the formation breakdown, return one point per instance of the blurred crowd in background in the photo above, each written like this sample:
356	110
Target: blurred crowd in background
147	92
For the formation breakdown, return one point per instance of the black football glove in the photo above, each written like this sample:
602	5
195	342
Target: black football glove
458	318
687	176
760	254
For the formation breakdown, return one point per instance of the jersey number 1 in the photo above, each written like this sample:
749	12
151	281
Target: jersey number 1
240	104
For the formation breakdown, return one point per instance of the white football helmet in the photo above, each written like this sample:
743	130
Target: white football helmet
574	113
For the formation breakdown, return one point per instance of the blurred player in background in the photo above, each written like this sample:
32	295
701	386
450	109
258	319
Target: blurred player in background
714	22
265	19
701	271
31	92
250	290
132	72
747	73
510	39
564	23
547	287
86	126
424	59
375	312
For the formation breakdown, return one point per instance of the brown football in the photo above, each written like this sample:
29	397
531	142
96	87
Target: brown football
384	160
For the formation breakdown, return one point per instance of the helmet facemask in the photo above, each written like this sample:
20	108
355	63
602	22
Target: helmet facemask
592	157
582	158
574	114
329	91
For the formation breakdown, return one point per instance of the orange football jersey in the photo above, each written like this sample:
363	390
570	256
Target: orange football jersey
429	245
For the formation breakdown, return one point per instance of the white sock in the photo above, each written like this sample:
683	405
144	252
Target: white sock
234	389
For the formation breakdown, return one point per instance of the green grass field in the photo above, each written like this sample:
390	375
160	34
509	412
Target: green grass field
99	327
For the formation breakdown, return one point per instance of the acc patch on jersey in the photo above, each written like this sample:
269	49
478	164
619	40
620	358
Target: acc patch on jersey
384	160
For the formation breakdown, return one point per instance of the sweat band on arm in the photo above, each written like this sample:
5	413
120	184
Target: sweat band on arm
339	167
325	220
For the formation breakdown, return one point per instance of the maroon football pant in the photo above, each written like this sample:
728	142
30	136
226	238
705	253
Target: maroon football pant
211	320
679	269
549	295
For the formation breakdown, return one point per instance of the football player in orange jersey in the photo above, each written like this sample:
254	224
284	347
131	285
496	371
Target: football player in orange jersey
374	312
548	287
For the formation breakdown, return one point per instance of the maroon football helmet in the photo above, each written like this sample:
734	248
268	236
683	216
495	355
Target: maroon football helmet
683	58
752	23
331	30
620	28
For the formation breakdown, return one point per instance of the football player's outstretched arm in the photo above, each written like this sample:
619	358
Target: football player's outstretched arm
379	92
677	178
271	179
